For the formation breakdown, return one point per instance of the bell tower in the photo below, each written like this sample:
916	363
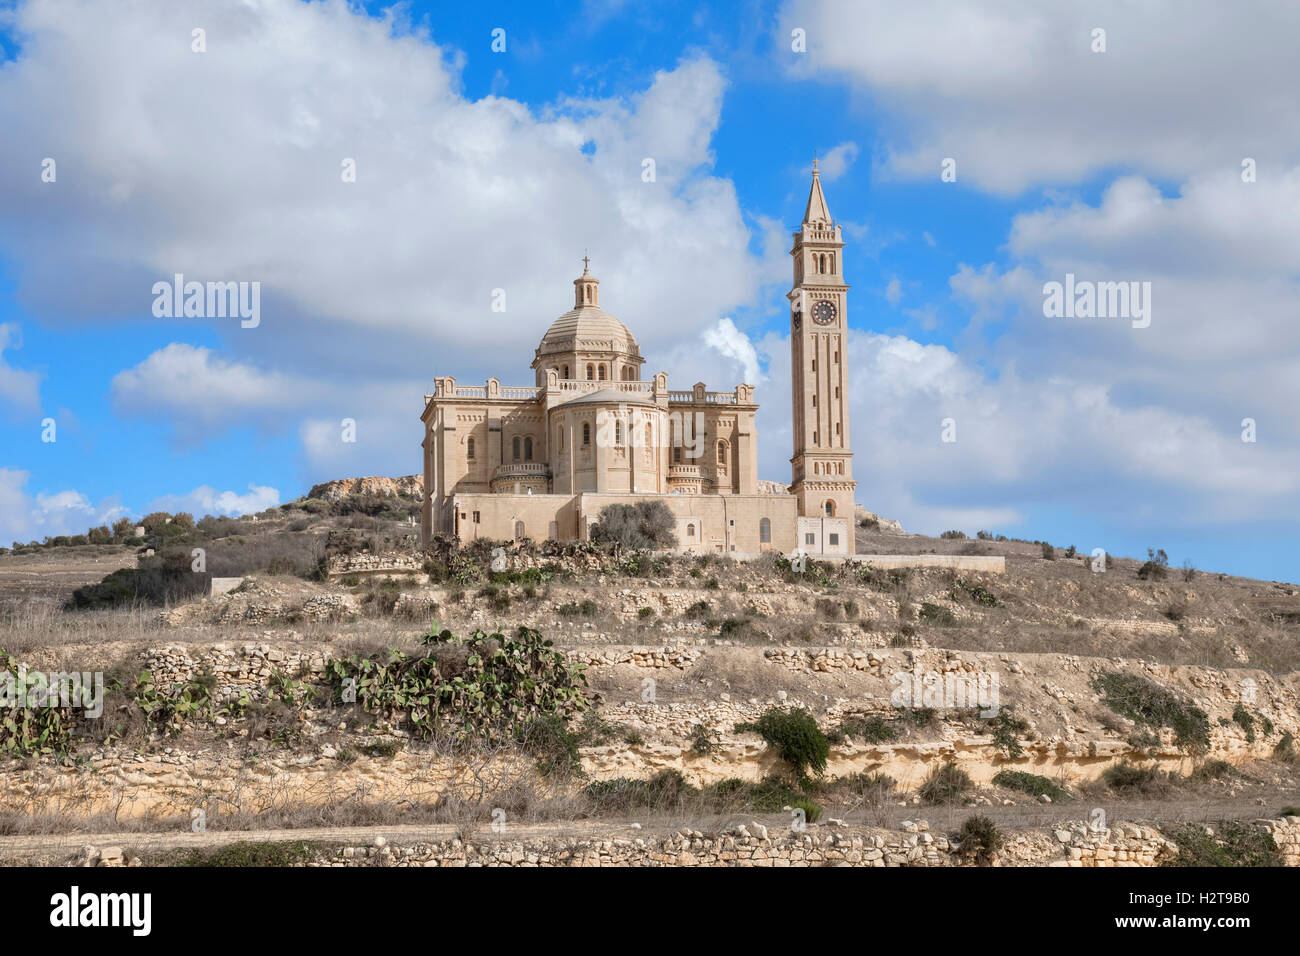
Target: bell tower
822	466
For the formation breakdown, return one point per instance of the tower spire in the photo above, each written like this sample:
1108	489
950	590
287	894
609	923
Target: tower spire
816	210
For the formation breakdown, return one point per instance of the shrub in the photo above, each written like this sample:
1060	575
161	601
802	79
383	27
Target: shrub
934	614
645	612
946	783
872	730
646	525
489	685
1006	733
1285	749
811	811
1213	770
153	584
1030	783
1246	721
698	609
248	854
664	791
979	840
1232	844
954	535
795	736
1156	566
704	740
1147	703
1129	778
1048	551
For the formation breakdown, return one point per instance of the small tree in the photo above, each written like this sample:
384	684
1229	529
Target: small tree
646	525
1156	566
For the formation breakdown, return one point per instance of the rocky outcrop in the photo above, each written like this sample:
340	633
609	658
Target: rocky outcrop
409	486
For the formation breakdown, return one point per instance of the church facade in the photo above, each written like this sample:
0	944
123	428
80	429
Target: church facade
541	461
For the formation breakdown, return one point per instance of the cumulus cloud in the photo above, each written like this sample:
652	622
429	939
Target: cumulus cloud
735	345
454	198
1021	443
199	392
206	500
25	517
1014	92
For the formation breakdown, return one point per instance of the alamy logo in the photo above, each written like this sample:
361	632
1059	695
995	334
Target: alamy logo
211	300
1098	300
73	909
956	690
33	689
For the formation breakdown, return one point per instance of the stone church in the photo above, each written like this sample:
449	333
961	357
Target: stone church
541	461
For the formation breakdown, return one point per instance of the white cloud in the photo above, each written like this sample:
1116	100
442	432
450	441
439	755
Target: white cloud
19	389
837	162
200	393
1052	441
894	291
1014	93
735	345
454	197
206	500
24	517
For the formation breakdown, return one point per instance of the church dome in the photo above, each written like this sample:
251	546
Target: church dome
588	342
587	329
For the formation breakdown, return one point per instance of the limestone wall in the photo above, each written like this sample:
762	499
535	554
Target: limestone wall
1126	845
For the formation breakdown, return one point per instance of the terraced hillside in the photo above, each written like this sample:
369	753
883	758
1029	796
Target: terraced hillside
548	695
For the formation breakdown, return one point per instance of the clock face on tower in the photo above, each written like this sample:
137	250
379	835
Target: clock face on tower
824	312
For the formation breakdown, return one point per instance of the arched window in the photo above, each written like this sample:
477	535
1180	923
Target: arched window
514	447
519	529
528	449
566	371
591	372
690	531
553	531
832	263
765	531
586	433
649	436
817	468
559	438
830	509
722	453
600	372
677	453
618	433
814	401
469	449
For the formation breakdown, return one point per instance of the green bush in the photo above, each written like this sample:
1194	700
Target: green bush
811	811
979	840
1129	778
946	783
1231	844
1007	731
486	685
1156	566
1152	705
871	730
795	736
934	614
1246	721
1030	783
664	791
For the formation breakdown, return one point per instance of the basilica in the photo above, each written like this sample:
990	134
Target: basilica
541	461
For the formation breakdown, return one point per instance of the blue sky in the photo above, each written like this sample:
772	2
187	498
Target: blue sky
480	170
